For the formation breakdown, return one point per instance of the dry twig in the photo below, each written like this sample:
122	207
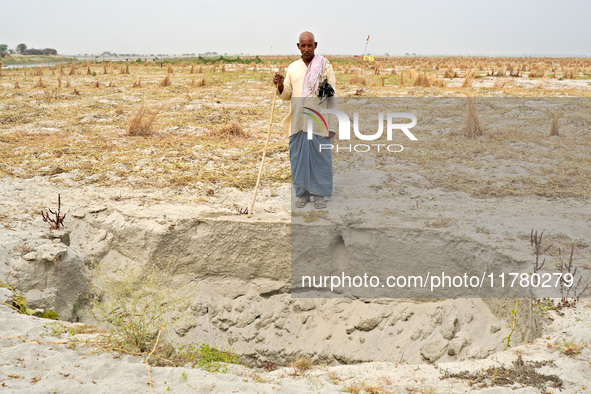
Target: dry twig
58	220
147	358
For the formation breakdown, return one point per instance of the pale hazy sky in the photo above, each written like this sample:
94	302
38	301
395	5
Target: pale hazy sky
436	27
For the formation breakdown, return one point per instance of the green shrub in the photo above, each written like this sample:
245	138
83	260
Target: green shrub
133	303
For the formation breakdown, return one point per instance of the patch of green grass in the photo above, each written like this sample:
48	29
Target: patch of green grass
56	329
544	305
206	357
482	230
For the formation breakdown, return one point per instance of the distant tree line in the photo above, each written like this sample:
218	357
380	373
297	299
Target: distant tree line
45	51
23	50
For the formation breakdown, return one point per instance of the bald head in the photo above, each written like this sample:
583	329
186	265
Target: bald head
307	35
307	45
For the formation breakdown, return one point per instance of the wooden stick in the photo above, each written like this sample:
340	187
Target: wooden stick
256	188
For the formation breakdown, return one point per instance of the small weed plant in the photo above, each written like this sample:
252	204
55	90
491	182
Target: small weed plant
134	304
206	357
19	304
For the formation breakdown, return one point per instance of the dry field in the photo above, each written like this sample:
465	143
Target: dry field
193	124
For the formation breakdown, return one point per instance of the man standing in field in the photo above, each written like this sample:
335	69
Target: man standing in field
311	167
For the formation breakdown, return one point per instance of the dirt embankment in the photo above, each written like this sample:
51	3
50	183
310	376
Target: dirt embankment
15	59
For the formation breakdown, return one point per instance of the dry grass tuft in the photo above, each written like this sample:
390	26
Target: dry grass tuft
39	83
48	95
137	84
233	129
16	85
570	348
422	80
88	72
402	78
554	125
439	82
472	128
363	387
95	84
200	82
166	81
141	123
169	69
301	365
469	79
192	71
500	83
358	80
537	74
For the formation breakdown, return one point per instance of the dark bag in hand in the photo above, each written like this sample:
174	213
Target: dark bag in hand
325	90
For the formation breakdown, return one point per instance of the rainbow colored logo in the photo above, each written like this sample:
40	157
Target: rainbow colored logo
316	118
